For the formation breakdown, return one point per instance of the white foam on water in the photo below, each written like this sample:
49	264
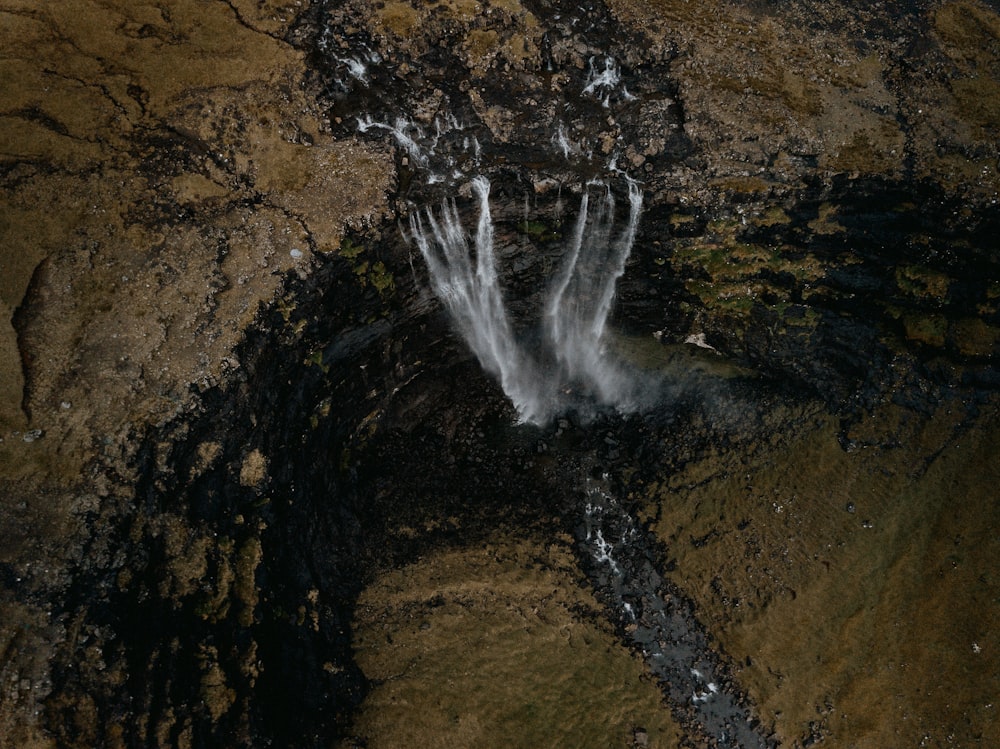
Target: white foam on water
400	131
602	83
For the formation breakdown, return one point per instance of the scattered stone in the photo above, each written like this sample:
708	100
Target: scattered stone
253	471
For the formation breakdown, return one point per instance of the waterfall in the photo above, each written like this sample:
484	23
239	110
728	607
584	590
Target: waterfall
574	363
471	294
401	132
603	84
580	301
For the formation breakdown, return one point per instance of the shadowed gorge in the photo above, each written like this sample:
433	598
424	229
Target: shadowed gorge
499	373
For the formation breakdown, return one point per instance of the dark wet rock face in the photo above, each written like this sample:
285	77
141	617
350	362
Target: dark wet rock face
853	313
811	251
832	279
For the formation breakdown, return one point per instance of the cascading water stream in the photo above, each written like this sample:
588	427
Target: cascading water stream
471	293
570	365
662	625
576	308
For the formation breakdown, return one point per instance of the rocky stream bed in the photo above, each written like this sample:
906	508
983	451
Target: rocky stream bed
258	489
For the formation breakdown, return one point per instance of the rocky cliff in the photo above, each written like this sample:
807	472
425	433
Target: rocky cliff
256	490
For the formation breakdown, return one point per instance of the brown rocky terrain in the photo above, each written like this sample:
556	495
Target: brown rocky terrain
160	167
254	491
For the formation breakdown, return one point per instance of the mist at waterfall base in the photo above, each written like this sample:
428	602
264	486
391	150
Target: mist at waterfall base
566	363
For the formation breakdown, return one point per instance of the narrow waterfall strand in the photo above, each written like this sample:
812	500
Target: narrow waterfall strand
620	254
553	308
580	301
471	294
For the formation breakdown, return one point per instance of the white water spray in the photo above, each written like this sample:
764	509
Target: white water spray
574	362
470	291
602	83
